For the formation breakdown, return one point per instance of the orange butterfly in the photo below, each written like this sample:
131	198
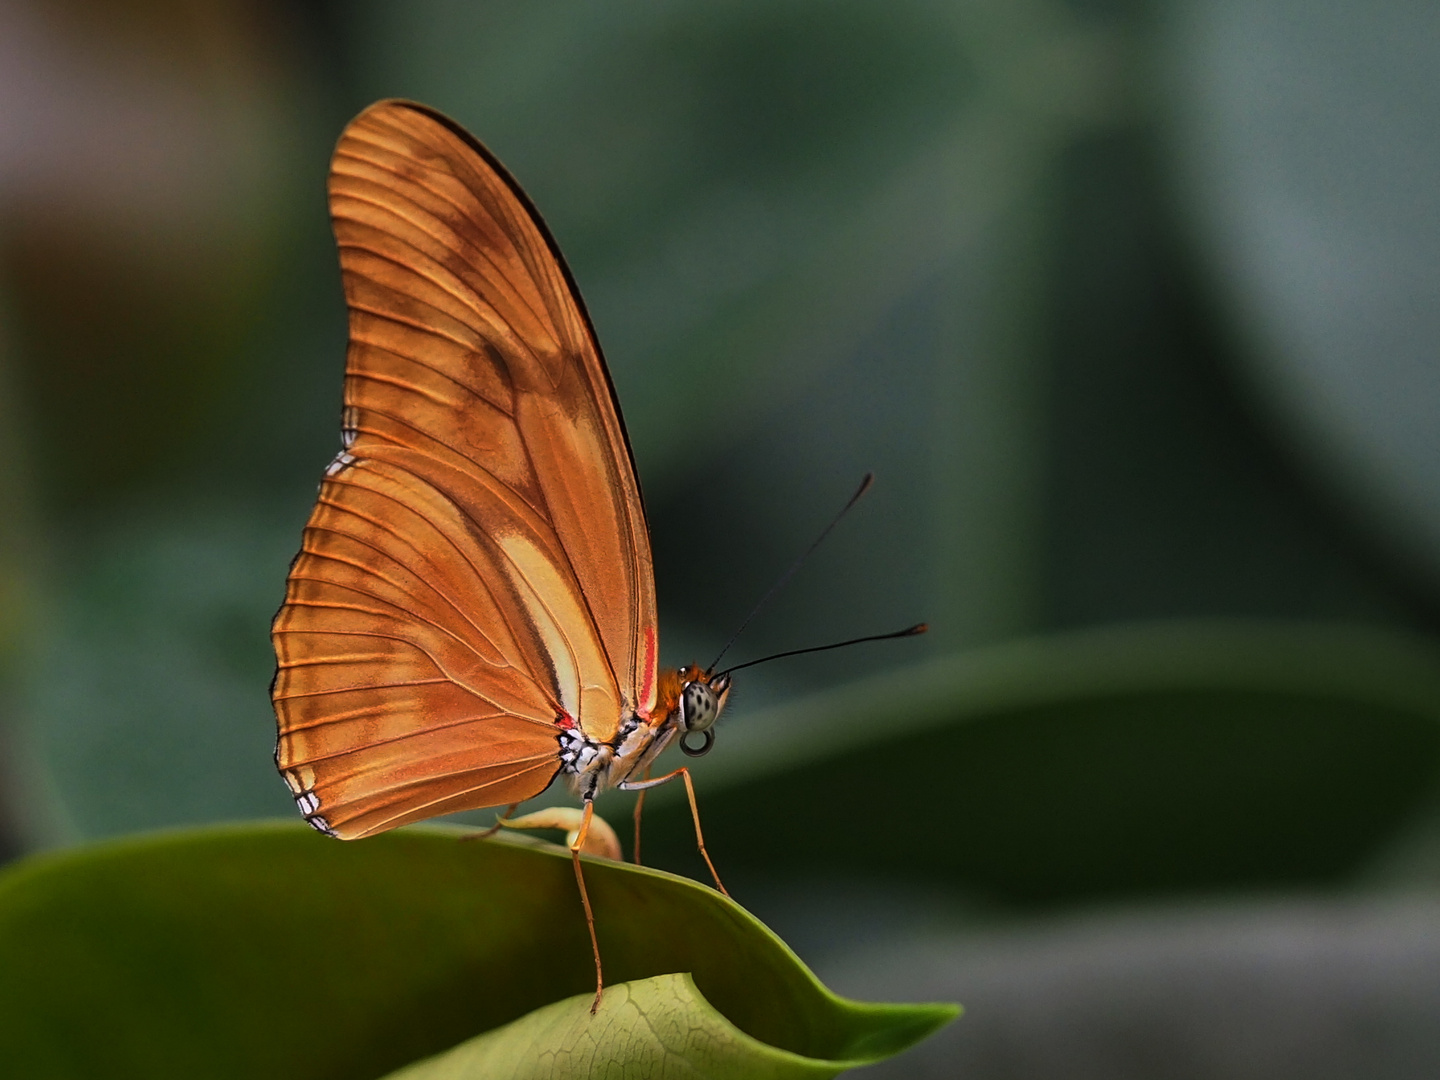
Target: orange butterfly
472	611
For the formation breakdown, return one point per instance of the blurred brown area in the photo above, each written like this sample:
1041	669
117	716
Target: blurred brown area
151	168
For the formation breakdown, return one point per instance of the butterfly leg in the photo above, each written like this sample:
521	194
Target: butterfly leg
639	808
684	774
485	834
576	845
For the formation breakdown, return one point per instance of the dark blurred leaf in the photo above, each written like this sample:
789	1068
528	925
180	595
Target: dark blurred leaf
1166	495
1110	763
742	189
148	691
1304	166
272	951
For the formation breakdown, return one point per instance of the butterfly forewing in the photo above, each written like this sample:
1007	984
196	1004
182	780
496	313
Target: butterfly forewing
477	568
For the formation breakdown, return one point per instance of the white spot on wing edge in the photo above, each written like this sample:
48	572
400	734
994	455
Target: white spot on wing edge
307	802
319	824
342	459
349	425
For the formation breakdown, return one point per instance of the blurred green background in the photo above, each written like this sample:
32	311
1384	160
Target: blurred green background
1131	307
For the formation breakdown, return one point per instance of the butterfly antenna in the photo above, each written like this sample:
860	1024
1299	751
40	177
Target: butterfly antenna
909	631
865	483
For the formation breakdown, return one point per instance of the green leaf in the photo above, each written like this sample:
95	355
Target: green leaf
659	1021
273	951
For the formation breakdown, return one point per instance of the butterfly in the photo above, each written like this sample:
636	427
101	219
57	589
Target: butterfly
472	612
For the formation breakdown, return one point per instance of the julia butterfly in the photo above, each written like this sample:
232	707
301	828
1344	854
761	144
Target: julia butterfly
472	612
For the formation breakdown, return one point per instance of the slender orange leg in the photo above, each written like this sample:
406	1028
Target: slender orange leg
639	807
575	846
493	829
684	774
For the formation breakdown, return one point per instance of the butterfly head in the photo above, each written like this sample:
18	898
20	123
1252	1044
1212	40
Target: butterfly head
702	699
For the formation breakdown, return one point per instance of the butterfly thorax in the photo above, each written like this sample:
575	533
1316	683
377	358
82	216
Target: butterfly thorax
686	701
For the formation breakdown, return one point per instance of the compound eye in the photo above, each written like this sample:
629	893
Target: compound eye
698	706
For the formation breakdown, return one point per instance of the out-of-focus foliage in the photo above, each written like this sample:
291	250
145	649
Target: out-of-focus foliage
1302	153
1161	760
1131	307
